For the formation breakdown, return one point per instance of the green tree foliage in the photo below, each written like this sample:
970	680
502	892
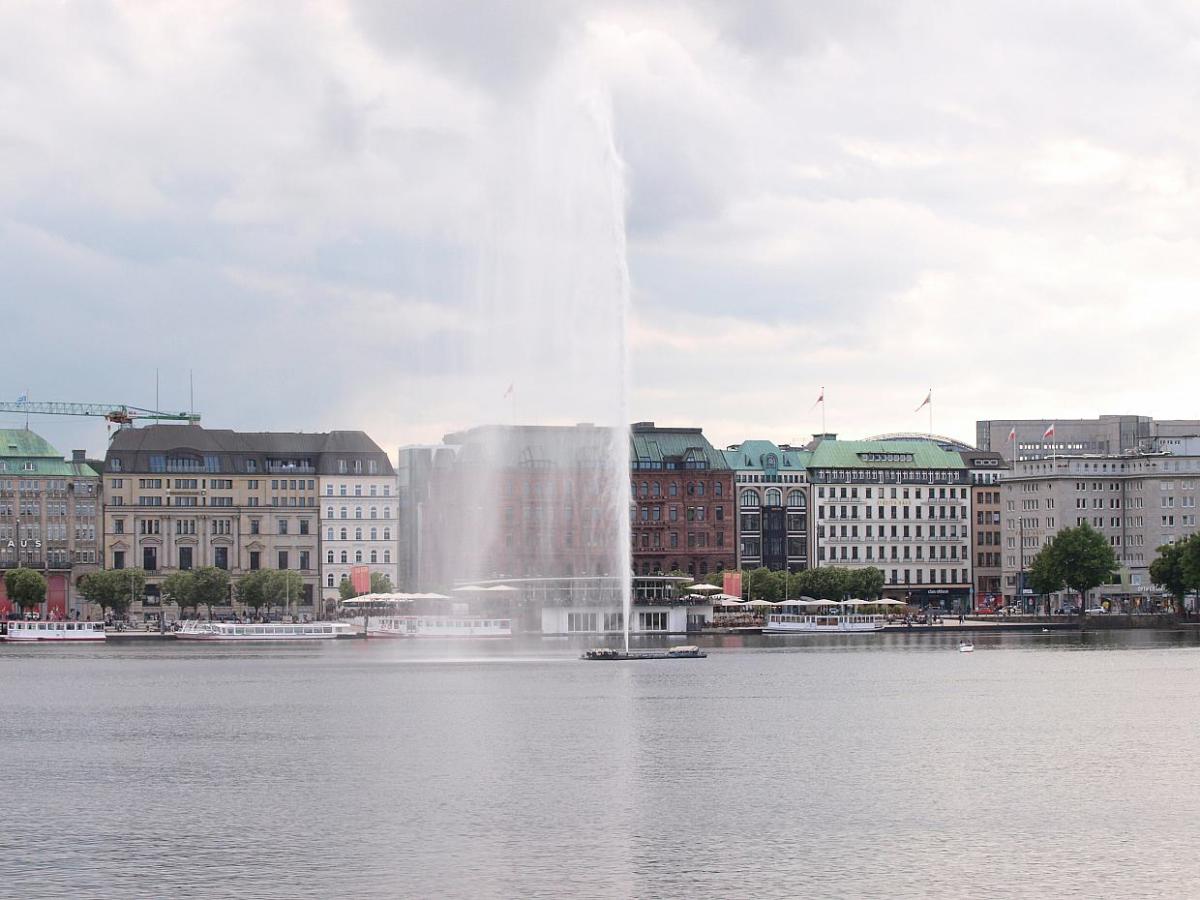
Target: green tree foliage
252	589
114	590
26	587
1177	568
1078	558
283	588
177	587
210	587
1044	576
381	583
346	590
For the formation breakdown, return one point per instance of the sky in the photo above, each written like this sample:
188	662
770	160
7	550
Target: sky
293	201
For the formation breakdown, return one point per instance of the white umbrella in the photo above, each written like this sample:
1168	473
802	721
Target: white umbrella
425	597
469	587
701	588
499	587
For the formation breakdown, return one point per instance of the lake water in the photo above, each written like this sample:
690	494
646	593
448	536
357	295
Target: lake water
865	766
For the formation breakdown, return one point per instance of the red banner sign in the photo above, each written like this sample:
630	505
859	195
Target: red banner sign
360	579
732	584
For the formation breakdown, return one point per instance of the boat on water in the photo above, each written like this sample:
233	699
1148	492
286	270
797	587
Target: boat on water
263	631
821	617
438	627
22	631
966	647
609	653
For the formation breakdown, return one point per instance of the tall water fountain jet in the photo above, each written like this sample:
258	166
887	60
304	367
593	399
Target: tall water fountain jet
536	494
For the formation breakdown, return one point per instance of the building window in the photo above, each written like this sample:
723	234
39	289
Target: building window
358	556
329	557
221	557
304	560
304	526
185	558
358	534
344	556
118	559
150	559
387	534
283	526
374	556
255	558
283	559
329	579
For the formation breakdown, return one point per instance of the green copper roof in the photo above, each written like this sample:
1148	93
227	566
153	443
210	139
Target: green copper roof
24	444
754	456
24	453
883	455
677	445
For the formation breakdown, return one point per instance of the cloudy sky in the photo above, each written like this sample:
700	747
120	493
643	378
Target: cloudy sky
301	202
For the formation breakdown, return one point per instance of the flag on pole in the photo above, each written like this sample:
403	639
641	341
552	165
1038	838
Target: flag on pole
508	393
926	402
1012	435
24	398
1048	433
820	399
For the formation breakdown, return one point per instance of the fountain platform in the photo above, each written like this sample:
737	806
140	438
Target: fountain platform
605	653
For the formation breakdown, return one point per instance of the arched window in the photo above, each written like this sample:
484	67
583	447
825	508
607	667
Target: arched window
358	534
718	488
699	488
774	497
329	512
673	489
343	534
344	556
749	498
343	512
387	512
387	556
329	580
374	512
387	534
644	490
358	556
329	490
329	557
796	498
655	489
358	512
329	534
374	556
374	534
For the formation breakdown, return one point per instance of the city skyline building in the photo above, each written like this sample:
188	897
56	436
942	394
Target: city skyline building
771	484
50	517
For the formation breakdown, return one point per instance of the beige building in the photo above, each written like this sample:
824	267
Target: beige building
178	497
1138	502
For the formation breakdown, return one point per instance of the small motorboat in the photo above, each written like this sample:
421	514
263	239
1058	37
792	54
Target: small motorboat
966	647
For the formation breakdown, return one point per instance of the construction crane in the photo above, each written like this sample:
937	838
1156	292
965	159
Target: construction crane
117	413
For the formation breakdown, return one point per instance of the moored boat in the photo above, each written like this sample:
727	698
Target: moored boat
609	653
820	617
263	631
438	627
23	631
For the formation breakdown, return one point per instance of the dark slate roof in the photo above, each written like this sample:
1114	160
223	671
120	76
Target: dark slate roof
135	446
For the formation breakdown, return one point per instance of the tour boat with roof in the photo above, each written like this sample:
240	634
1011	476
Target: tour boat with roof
261	631
21	631
808	616
438	627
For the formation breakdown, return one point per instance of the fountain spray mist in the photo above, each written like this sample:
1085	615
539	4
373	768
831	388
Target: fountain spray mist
544	488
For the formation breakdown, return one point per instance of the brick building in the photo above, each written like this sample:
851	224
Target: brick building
683	492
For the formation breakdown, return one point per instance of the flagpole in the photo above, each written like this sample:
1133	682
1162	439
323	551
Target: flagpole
823	432
931	414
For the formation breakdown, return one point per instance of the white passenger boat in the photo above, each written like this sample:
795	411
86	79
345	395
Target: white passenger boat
438	627
265	631
820	617
30	632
